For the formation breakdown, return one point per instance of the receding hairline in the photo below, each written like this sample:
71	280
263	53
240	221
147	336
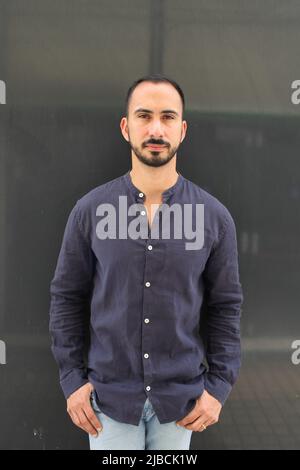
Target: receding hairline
156	80
169	110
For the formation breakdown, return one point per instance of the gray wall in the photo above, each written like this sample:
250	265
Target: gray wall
67	65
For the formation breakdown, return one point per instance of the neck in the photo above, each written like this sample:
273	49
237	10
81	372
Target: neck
153	181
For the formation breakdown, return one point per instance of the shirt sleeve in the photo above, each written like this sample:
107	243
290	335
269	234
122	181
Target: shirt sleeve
70	292
224	300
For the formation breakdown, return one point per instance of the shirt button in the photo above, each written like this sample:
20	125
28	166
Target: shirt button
147	284
148	388
141	194
146	320
143	213
150	247
146	356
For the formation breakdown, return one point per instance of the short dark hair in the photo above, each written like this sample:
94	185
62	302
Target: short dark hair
157	78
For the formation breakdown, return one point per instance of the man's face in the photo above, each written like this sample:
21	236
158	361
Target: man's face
154	126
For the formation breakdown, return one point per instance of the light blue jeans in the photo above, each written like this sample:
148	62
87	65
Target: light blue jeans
149	434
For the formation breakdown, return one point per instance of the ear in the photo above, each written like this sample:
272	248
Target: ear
183	130
124	128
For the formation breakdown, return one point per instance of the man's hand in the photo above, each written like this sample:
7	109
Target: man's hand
81	412
205	413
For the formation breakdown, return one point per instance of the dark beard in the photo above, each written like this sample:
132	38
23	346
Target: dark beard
155	159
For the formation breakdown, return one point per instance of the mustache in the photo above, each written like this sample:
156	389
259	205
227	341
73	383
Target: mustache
155	142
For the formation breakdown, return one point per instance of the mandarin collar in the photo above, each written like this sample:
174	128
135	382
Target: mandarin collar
139	195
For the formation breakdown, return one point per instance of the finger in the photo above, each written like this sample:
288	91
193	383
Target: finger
91	416
85	423
191	417
199	424
210	423
74	417
205	425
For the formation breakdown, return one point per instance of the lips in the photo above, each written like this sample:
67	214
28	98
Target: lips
156	147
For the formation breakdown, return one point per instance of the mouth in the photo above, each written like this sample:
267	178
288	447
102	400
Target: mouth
156	147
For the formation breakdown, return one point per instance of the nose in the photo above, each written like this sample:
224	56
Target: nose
155	129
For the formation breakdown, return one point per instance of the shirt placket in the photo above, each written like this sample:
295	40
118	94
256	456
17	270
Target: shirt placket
149	279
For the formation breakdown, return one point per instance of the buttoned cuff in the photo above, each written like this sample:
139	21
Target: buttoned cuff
217	387
75	379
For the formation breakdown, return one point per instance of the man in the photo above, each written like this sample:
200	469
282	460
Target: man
145	384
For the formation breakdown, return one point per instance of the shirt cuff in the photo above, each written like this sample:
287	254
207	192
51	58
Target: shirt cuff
72	381
217	387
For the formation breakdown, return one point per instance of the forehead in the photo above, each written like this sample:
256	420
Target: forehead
155	95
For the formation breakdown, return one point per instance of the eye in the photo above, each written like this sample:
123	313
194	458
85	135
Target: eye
169	116
143	115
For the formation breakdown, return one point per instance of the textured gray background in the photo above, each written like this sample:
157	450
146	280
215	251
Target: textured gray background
67	65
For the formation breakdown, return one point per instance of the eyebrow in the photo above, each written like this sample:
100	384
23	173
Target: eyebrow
165	111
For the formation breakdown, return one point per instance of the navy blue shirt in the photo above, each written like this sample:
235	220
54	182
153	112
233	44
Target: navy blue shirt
145	295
